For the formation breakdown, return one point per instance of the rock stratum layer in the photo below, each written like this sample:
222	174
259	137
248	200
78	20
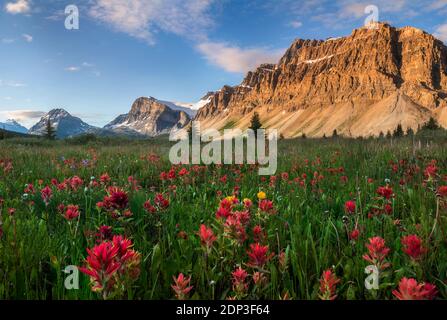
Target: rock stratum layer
360	85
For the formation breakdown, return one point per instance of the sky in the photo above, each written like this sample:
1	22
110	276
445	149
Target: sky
173	50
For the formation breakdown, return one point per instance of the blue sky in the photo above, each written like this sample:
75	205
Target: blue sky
174	50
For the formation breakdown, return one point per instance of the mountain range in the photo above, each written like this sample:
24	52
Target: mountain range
13	126
360	85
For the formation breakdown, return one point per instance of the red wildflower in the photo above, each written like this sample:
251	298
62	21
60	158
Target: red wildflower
110	263
149	207
105	178
29	189
413	246
117	199
328	285
239	276
46	194
386	192
431	170
258	255
129	259
258	234
223	212
104	233
76	182
207	236
234	229
71	212
101	266
181	287
442	191
354	235
266	206
161	201
350	206
247	203
410	289
183	172
11	211
377	252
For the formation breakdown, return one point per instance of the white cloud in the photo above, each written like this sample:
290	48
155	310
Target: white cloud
8	40
441	32
27	37
87	65
235	59
143	18
25	117
18	7
72	69
296	24
438	4
12	84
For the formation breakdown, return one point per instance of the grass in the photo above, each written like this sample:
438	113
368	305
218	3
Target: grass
307	230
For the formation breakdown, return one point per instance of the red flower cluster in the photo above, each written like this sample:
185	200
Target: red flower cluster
385	192
410	289
116	199
110	263
161	202
413	246
328	285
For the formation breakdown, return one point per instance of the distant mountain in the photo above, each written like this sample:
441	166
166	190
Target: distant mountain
189	108
13	126
149	117
64	123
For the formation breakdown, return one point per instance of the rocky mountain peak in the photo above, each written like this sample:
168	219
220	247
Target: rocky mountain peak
150	117
63	122
323	85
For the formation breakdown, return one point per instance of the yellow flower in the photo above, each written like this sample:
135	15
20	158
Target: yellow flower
262	195
230	198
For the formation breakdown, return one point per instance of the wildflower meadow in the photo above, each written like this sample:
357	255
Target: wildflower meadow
340	220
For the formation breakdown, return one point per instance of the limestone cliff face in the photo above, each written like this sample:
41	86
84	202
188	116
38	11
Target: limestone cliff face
359	85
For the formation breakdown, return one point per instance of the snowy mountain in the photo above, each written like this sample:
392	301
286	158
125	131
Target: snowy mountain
13	126
149	117
189	108
64	123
